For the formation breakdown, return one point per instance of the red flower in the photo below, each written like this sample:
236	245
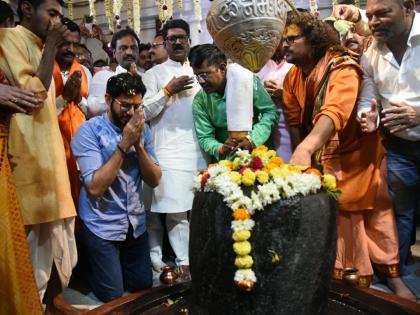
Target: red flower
204	179
256	163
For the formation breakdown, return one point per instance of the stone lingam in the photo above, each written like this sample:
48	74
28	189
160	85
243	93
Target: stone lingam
293	250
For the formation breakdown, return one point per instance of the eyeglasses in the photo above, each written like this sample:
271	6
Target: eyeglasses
203	75
291	39
156	45
173	39
127	106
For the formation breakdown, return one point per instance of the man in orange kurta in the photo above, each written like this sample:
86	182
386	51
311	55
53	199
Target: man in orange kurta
320	94
71	89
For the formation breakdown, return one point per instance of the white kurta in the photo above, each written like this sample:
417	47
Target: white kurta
174	138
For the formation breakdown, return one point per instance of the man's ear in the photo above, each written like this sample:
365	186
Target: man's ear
223	67
409	5
108	99
27	10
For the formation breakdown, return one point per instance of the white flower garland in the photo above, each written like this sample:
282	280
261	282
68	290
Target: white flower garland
313	6
276	179
108	14
129	5
197	13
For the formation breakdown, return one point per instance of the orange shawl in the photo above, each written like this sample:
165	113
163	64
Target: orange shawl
69	121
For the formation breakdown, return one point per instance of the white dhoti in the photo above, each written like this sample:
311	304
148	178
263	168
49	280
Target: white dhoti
49	243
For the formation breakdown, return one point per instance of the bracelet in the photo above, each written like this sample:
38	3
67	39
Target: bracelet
166	92
250	140
122	151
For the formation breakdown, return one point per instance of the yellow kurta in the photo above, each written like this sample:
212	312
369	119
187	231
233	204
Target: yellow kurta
36	148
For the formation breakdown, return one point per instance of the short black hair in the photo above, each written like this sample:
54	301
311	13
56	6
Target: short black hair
124	33
177	23
125	84
144	47
207	54
159	34
84	47
72	27
346	2
35	4
6	12
100	63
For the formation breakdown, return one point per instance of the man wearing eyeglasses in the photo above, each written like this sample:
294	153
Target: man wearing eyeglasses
125	45
115	155
209	106
158	53
168	109
320	100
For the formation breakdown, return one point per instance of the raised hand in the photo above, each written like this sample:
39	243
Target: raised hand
56	35
301	156
368	120
16	100
133	69
346	12
179	84
71	90
133	130
400	116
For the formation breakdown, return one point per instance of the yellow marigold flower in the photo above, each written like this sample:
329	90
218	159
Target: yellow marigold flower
261	148
270	166
242	235
277	161
236	164
236	177
248	177
242	248
244	262
297	168
271	154
226	163
282	172
262	177
241	214
329	182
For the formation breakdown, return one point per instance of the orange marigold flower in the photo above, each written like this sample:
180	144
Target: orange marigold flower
277	160
313	171
270	166
241	214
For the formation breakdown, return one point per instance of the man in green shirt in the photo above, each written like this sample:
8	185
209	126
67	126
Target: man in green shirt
209	106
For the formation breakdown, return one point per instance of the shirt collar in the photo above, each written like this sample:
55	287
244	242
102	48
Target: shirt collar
177	63
32	36
415	28
113	126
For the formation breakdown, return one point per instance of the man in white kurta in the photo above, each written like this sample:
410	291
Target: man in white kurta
125	45
168	109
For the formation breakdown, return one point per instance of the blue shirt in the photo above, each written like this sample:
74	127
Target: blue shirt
109	215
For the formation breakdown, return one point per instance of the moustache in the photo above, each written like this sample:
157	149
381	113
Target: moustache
378	29
69	54
129	58
351	41
178	47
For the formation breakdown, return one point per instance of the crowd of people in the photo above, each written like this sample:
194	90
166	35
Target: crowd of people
99	148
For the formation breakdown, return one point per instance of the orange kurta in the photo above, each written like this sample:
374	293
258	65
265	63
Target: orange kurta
356	156
69	121
18	292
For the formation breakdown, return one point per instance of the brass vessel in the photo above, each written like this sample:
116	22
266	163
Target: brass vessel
168	275
247	31
350	276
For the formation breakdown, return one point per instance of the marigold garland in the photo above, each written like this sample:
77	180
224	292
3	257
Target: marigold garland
129	13
70	9
109	14
92	10
179	2
136	16
313	6
197	13
272	180
357	3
